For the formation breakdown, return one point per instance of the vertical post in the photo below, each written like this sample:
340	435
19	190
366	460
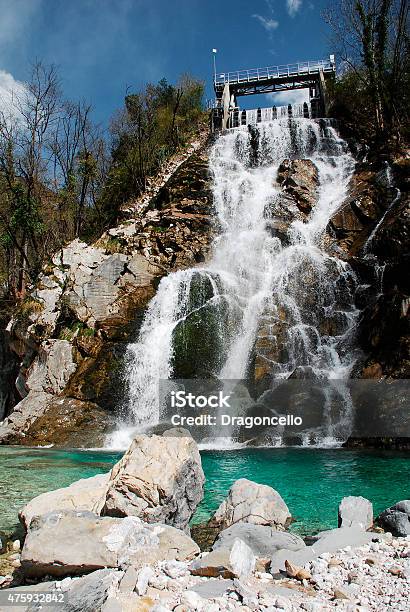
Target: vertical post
214	56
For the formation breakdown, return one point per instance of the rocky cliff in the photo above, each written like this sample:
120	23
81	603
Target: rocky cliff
69	334
372	232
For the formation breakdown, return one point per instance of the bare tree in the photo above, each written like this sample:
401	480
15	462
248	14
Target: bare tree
371	39
50	171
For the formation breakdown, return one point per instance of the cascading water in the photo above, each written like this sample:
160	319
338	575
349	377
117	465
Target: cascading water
256	274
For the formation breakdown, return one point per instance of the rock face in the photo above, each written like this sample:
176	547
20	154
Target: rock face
299	180
70	542
69	333
355	512
9	367
353	222
52	368
15	427
84	494
159	479
261	539
372	230
249	502
42	419
396	519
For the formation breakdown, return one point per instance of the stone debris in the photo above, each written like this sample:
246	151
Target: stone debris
382	586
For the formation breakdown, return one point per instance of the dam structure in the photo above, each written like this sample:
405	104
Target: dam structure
229	86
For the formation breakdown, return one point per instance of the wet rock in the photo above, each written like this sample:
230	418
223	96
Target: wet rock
299	179
249	502
396	519
270	345
98	377
231	561
355	512
159	479
9	367
69	542
263	540
199	350
84	494
353	222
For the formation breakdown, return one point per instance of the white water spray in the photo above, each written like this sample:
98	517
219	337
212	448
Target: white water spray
253	272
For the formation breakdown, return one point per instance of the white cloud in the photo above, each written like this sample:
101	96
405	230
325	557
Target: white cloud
268	24
10	91
283	98
293	6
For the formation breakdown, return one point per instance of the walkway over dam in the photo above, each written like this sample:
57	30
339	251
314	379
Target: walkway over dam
229	86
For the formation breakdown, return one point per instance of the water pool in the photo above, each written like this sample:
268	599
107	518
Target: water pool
312	482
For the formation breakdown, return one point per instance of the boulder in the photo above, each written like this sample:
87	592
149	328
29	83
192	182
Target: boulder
69	542
262	540
14	427
299	179
41	419
355	512
78	594
84	494
69	422
89	593
159	479
396	519
236	560
250	502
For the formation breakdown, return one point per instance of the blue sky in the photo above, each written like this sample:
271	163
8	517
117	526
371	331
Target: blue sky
104	46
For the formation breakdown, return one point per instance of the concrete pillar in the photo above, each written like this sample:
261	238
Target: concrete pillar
226	102
323	93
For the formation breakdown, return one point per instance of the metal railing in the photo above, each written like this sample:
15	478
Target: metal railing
272	72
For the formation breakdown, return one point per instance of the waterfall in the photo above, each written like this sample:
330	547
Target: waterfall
256	278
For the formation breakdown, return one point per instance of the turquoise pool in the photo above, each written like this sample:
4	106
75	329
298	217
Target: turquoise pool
312	482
